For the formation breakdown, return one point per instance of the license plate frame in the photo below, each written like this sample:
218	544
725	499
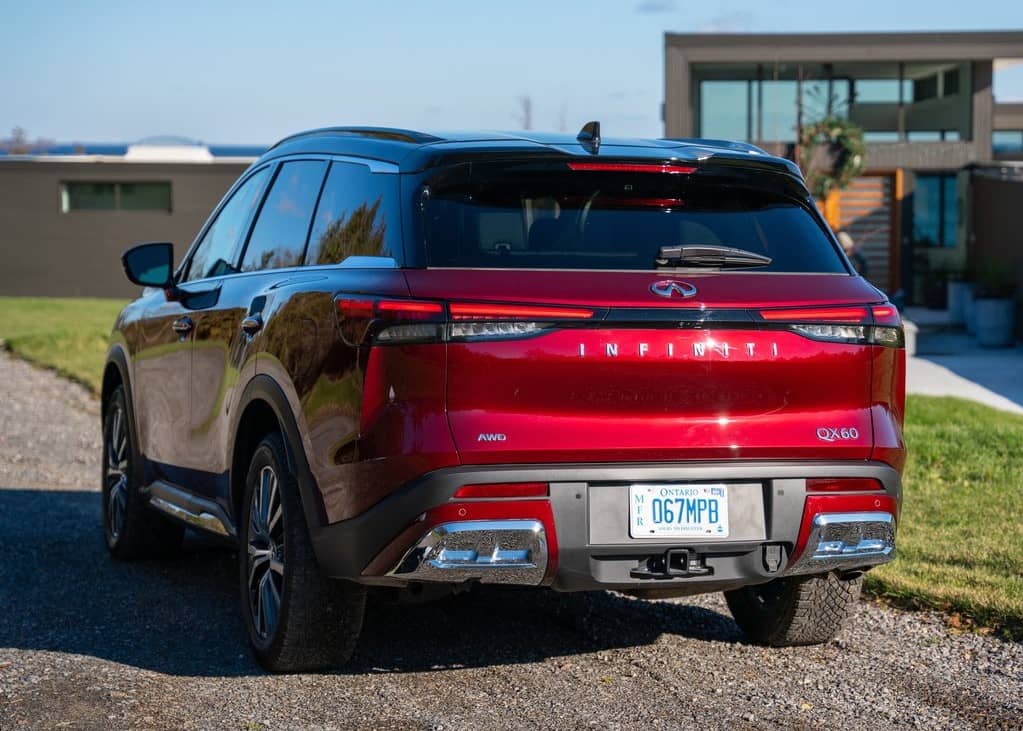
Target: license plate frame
706	502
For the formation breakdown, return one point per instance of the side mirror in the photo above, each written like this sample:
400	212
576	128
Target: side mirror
150	265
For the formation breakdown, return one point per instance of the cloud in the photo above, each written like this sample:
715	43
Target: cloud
656	6
732	22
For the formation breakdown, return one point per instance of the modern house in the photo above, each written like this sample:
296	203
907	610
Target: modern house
67	213
931	124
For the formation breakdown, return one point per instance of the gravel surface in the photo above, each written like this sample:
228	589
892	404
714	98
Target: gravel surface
89	643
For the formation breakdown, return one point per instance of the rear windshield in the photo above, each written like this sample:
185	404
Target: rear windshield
551	217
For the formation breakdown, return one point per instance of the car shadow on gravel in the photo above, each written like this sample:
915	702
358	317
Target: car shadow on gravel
61	592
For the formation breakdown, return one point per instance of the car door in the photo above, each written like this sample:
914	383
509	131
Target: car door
163	371
225	332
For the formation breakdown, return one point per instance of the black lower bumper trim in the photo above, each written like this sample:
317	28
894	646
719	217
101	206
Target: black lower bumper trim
344	549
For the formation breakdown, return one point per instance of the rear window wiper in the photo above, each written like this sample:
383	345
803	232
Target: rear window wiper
709	255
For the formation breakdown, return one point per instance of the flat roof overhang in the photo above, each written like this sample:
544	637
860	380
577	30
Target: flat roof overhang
839	47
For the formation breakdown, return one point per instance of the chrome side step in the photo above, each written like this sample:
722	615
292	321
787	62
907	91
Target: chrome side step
191	509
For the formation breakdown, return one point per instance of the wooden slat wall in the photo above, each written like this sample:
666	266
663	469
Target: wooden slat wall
866	210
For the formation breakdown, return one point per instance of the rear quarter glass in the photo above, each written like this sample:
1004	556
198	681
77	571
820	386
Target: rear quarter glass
549	216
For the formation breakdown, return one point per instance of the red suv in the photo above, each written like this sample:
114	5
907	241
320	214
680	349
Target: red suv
412	363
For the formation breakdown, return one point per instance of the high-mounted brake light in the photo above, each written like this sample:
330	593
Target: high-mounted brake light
632	167
470	311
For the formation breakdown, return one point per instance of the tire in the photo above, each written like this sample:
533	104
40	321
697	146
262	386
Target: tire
297	619
132	530
803	610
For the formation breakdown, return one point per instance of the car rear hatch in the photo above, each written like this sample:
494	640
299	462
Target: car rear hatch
567	343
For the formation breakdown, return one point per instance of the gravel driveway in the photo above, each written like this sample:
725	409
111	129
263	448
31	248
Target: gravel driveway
89	643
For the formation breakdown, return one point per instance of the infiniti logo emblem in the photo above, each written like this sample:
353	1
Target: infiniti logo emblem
672	288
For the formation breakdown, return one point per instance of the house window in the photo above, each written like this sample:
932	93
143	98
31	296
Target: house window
935	211
94	196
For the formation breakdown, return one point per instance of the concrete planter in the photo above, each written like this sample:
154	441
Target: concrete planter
995	320
970	315
958	294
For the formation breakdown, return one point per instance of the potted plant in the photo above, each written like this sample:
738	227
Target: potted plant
960	294
994	306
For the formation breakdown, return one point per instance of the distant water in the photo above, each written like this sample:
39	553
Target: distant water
110	148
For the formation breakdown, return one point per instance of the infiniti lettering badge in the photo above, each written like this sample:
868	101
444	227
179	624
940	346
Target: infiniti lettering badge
672	288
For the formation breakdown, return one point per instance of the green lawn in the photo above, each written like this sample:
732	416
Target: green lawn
960	542
69	335
961	535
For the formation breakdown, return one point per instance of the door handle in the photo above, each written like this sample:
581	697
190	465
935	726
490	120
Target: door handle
252	324
183	325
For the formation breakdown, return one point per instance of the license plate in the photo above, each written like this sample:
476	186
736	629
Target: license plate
678	511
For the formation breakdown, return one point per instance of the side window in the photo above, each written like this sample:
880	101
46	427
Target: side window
278	238
358	215
215	254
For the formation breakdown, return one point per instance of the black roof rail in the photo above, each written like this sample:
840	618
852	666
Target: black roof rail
375	133
726	144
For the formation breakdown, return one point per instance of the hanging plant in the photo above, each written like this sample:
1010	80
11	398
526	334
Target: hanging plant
831	154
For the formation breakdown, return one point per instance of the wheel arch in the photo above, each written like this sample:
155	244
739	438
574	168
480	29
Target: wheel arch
263	408
115	373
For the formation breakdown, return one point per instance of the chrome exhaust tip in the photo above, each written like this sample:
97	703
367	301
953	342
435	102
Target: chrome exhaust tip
846	541
488	551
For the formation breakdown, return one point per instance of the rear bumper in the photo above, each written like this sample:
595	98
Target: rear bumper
578	538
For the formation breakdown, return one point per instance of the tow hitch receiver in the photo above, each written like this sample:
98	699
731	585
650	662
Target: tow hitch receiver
675	563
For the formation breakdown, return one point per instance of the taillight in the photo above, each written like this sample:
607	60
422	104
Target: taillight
389	320
861	325
394	321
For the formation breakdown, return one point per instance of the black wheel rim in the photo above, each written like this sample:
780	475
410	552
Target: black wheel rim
265	544
115	471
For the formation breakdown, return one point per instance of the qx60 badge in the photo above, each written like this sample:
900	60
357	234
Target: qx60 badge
673	288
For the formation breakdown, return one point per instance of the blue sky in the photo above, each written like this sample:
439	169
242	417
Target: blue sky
252	72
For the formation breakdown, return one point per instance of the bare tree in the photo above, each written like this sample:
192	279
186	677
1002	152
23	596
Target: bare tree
18	144
526	112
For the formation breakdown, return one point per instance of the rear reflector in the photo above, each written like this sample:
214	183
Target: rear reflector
504	490
843	484
631	167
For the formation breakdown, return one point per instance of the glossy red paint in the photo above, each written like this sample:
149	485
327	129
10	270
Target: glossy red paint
888	405
602	395
403	429
632	288
817	504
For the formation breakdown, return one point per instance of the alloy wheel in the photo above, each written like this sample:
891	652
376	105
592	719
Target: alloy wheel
265	545
116	473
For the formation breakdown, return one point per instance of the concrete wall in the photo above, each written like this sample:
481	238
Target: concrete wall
46	252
